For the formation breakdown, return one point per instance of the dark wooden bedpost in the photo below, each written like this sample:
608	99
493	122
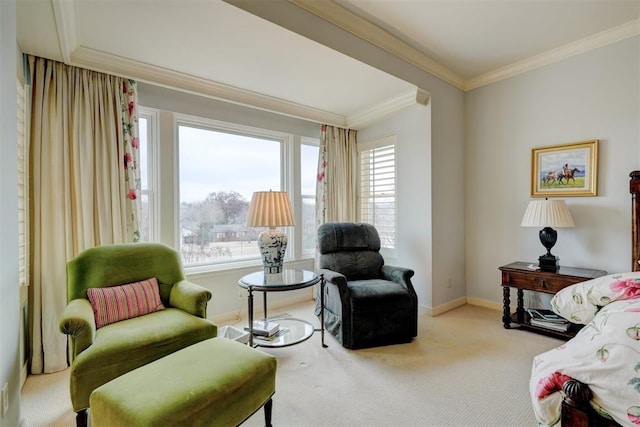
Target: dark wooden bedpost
634	188
575	404
576	409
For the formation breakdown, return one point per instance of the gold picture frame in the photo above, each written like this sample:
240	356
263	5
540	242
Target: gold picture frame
565	170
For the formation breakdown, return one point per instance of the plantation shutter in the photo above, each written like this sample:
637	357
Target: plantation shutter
377	174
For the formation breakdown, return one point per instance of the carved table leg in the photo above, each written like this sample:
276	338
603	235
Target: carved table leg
520	309
506	311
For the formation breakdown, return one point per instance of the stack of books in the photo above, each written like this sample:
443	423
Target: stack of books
548	319
264	328
272	338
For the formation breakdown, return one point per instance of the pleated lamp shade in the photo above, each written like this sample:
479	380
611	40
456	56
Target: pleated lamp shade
547	213
270	209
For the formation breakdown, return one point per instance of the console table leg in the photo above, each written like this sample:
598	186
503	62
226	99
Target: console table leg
506	311
264	304
322	311
250	315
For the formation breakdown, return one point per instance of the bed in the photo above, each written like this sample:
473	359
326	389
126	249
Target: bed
594	378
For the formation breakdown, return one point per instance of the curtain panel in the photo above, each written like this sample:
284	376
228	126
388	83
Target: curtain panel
336	181
85	185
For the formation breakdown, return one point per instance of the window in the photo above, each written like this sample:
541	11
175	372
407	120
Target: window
220	165
309	167
147	122
377	188
216	167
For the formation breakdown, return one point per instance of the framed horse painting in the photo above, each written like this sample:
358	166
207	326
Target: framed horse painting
565	170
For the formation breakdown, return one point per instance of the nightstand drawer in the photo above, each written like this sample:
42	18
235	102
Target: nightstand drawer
537	283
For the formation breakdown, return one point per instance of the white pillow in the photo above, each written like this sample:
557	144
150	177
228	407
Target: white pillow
579	303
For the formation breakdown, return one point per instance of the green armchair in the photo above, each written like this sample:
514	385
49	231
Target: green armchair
99	355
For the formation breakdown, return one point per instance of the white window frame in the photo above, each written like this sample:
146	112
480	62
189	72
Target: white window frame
391	140
314	142
289	183
153	170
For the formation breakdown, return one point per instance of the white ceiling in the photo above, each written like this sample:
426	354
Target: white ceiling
473	37
213	48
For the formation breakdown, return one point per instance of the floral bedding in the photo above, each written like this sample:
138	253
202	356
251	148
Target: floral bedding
605	354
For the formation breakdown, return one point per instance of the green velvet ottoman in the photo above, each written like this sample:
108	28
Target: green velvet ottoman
216	382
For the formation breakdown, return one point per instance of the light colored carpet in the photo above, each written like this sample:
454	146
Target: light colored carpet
464	369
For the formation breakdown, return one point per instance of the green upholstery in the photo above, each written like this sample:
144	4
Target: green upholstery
217	382
100	355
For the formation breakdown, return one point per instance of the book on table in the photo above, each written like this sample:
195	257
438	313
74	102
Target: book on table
264	338
554	326
264	327
544	318
544	315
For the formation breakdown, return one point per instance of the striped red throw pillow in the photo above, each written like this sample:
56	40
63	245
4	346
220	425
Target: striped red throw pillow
117	303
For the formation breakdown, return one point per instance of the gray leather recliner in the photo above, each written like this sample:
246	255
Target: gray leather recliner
367	303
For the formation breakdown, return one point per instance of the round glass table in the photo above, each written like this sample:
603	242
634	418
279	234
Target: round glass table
291	331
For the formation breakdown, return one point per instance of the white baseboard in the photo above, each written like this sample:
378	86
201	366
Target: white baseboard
435	311
492	305
443	308
429	311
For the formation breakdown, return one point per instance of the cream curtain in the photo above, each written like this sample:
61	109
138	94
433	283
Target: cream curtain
336	183
84	185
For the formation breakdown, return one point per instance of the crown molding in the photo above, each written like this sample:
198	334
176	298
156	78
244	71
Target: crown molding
366	30
411	97
66	25
64	13
104	62
370	32
595	41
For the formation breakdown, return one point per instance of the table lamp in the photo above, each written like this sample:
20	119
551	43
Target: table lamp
271	209
548	213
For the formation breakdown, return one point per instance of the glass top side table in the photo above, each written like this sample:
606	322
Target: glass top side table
293	331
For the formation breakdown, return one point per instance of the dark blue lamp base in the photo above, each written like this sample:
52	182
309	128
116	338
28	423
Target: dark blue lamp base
548	261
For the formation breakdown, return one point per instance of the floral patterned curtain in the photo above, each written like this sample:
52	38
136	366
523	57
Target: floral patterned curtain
131	145
321	183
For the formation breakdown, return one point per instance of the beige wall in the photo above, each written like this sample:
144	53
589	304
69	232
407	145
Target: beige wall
412	129
594	95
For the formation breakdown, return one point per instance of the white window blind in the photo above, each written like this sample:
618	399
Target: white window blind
23	189
377	188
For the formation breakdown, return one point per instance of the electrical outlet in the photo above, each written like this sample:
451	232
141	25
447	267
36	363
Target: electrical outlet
5	399
449	282
241	294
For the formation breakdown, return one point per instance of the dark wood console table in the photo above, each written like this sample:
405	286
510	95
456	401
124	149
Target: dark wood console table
518	275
